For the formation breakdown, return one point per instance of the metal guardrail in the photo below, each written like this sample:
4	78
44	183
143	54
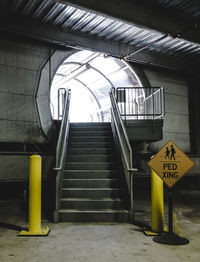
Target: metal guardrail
64	128
140	102
62	148
122	142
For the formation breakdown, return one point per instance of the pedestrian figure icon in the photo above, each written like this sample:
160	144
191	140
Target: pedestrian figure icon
167	153
172	153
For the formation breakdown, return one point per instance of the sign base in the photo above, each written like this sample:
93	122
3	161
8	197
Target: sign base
171	239
44	232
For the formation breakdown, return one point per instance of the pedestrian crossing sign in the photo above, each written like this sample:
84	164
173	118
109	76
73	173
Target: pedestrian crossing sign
170	163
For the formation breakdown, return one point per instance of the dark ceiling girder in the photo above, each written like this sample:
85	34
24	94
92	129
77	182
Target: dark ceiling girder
51	34
142	13
57	36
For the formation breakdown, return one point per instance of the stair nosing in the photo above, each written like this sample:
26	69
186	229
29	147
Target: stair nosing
90	155
94	171
91	179
100	162
93	142
93	188
89	136
64	210
90	199
76	148
92	133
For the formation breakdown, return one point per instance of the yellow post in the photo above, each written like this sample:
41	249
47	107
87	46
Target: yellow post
35	194
35	199
157	202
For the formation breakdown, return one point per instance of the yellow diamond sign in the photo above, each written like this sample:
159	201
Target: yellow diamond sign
170	163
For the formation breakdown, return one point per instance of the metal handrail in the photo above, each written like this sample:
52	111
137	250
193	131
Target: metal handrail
63	134
127	154
61	102
114	106
61	150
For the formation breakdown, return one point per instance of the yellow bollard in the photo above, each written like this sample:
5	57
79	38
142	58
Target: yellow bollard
157	202
35	182
157	206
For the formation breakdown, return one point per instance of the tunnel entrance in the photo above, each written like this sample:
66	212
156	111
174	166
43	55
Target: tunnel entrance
90	76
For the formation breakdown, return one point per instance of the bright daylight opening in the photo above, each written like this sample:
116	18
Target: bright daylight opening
90	76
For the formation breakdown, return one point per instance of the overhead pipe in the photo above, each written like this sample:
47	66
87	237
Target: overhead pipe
145	47
81	69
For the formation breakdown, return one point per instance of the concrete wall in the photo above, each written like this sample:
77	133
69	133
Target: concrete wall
43	93
176	119
15	167
26	72
20	66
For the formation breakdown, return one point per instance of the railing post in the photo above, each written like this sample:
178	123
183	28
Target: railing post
61	101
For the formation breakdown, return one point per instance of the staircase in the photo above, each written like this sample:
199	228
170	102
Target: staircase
93	189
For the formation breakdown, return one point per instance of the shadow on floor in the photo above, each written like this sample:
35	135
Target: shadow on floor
11	226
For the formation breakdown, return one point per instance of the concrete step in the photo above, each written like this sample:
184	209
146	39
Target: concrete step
91	183
91	192
90	126
106	215
72	124
89	151
89	158
91	166
90	132
88	203
90	129
107	144
90	139
91	174
92	189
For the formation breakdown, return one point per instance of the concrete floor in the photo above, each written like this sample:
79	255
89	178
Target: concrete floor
96	242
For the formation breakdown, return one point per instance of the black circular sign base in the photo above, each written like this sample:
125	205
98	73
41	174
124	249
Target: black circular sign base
171	239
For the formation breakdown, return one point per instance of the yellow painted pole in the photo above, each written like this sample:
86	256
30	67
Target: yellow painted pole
35	182
157	202
35	194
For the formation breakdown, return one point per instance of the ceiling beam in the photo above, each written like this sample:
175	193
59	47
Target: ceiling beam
54	35
145	14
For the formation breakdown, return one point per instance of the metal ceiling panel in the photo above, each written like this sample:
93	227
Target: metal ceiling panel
74	19
181	7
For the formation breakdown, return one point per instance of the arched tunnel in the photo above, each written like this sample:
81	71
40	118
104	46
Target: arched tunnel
65	72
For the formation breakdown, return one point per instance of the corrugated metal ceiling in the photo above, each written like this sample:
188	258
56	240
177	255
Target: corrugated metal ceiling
182	7
94	25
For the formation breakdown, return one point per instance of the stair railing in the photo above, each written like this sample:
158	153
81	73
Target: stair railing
140	102
61	151
123	145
